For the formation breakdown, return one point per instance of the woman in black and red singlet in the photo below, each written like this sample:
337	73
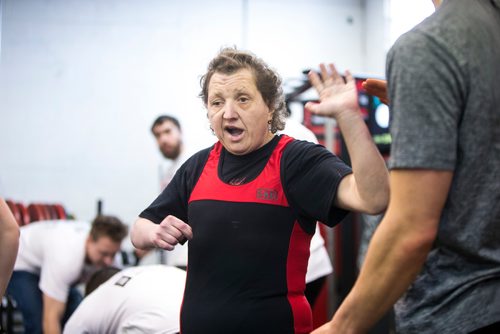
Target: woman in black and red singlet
249	204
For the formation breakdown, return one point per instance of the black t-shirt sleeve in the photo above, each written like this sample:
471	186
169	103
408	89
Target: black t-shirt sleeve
173	200
311	175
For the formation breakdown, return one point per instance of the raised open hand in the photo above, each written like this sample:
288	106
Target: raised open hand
336	95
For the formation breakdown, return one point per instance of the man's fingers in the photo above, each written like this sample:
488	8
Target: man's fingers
375	85
377	88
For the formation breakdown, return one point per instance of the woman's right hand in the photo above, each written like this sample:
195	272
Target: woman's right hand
170	232
166	235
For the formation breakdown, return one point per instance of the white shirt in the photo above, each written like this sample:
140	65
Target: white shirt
145	299
168	168
319	264
55	250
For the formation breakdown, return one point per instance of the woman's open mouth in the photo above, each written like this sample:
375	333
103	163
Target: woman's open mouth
233	131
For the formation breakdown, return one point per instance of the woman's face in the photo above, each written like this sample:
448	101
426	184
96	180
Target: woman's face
237	113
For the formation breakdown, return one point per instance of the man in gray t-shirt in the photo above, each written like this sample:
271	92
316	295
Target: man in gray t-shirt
438	245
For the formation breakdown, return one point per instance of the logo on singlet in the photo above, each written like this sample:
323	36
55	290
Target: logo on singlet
267	194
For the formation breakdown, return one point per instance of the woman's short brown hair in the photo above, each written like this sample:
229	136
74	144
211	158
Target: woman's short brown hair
268	82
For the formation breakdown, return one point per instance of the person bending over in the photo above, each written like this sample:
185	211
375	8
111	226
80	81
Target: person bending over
53	257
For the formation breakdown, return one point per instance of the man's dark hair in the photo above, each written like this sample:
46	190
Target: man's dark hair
99	277
165	118
108	226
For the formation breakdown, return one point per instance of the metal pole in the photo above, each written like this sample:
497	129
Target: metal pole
331	281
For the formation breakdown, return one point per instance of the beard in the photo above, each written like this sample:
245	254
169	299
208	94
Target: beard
171	153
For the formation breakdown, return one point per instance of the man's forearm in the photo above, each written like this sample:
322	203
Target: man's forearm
53	311
9	244
398	248
51	327
392	263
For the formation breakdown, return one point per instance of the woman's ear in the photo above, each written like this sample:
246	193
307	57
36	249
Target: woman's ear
270	116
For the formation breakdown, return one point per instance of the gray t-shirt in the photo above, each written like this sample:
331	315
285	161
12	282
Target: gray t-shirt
444	80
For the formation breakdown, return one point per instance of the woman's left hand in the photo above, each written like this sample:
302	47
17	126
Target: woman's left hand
336	96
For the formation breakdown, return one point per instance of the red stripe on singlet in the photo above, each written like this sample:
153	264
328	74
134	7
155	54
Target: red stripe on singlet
296	267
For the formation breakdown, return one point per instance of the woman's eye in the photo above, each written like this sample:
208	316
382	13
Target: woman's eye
244	99
215	103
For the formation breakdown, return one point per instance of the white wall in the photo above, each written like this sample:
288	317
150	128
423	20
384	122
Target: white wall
376	42
81	82
295	35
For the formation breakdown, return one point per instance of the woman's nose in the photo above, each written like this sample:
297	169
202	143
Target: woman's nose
229	110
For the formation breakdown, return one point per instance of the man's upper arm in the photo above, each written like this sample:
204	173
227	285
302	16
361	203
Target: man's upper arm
417	199
426	90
